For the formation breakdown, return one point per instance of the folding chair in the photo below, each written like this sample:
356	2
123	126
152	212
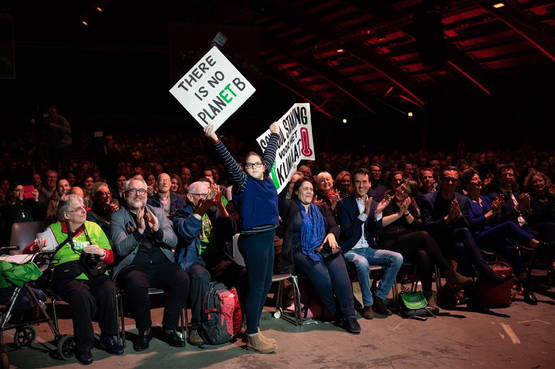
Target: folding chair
183	316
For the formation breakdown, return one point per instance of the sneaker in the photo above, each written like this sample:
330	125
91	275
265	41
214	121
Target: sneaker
84	358
142	341
194	338
110	345
350	325
380	307
367	312
173	339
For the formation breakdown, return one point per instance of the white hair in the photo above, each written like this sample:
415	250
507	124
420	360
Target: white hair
135	178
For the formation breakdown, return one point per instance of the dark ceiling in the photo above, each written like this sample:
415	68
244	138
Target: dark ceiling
357	58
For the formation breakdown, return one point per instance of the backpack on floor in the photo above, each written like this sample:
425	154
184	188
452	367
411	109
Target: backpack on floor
221	314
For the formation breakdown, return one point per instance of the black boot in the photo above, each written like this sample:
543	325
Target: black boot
527	293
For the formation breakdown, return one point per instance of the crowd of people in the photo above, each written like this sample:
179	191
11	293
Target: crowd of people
166	220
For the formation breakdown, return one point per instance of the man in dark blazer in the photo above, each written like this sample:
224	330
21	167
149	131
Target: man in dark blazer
360	218
144	240
442	216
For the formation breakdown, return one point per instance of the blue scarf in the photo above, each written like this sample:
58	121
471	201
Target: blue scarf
312	231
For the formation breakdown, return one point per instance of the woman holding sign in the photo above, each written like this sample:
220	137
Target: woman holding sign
255	197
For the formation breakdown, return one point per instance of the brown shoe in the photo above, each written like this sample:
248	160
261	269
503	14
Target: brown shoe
195	339
380	307
367	312
267	339
255	343
455	279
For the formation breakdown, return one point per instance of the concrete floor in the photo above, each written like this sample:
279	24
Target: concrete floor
519	337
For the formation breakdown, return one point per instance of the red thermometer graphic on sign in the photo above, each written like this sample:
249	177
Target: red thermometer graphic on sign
305	150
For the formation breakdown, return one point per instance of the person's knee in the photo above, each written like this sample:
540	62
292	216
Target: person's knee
107	289
135	281
200	276
463	232
361	264
395	259
181	279
80	298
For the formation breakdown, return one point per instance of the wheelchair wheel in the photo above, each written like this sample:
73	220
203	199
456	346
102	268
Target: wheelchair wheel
24	337
66	347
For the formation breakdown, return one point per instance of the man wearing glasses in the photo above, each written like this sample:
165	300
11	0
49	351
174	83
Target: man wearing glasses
203	225
442	217
143	237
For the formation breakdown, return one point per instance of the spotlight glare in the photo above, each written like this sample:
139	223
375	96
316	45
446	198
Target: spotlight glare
339	51
84	22
498	5
410	114
99	9
344	120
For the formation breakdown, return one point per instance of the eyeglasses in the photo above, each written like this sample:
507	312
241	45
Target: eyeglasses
451	179
79	209
253	165
136	191
203	195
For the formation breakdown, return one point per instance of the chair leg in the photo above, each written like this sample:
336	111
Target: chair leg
279	297
183	320
299	320
121	317
438	284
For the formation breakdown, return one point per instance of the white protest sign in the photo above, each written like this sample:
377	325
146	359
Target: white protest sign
295	143
213	89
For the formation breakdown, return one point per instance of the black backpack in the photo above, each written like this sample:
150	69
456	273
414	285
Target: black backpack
221	314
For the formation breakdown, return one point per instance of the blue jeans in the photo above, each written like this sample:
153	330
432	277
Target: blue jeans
363	258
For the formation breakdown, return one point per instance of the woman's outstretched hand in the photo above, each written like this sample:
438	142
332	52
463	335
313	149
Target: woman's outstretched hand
210	132
274	127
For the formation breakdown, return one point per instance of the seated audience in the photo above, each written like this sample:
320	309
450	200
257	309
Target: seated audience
360	219
494	235
176	186
325	192
164	199
308	228
91	295
402	233
344	184
62	188
203	226
443	217
142	236
377	189
103	206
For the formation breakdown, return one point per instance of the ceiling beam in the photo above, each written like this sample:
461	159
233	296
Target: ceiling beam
363	53
514	18
296	88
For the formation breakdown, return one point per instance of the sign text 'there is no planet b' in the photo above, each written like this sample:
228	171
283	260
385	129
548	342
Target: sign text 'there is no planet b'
213	89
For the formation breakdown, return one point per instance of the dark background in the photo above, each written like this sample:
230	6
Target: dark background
114	75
